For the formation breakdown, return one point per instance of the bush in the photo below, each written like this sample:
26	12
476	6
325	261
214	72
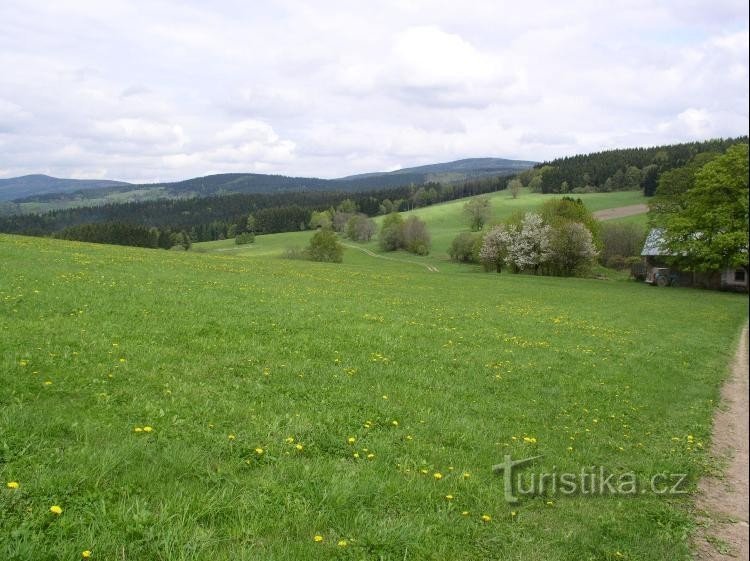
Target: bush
416	237
465	248
244	238
391	235
478	210
571	250
324	246
294	253
360	228
556	212
620	241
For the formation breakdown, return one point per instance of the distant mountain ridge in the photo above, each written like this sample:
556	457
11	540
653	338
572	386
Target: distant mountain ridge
67	189
29	185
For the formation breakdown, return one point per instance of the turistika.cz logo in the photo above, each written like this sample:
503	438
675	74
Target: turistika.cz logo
590	480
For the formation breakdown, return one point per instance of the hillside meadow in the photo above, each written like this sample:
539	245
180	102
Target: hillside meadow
234	405
444	221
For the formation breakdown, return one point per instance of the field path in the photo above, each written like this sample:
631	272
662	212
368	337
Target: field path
366	251
620	212
723	501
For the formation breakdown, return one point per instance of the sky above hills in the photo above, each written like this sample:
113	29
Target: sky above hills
163	90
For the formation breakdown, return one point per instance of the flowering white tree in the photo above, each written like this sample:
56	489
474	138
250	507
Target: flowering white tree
529	244
494	248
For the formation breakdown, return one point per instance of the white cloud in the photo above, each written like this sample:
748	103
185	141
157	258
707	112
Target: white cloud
157	91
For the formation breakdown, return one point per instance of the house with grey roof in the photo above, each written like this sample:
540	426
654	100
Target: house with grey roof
657	266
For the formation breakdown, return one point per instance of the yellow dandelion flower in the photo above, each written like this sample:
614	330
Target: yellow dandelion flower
289	439
356	455
437	475
409	437
55	509
465	513
317	538
299	447
370	456
12	485
466	475
486	518
394	422
48	383
424	471
259	451
529	439
137	429
351	440
231	437
342	543
86	553
449	497
148	429
513	513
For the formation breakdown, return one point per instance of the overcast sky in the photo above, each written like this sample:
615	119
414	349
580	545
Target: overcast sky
160	90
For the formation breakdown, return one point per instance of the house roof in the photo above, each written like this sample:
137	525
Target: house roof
655	244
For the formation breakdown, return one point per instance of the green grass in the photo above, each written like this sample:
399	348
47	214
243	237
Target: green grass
99	340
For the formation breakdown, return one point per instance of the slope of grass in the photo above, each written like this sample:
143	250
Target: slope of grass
444	221
254	373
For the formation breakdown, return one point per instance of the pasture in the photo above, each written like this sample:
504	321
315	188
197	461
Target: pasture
234	405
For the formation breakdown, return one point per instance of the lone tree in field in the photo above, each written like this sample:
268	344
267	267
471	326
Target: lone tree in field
478	210
515	186
324	246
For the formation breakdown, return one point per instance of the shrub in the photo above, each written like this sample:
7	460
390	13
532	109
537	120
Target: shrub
465	248
244	238
324	246
478	210
391	235
294	253
571	250
360	228
620	241
416	237
559	211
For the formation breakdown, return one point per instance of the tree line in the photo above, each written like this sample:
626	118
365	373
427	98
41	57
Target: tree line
221	217
117	233
617	170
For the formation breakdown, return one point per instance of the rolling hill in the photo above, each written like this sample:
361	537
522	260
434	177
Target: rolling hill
37	184
226	183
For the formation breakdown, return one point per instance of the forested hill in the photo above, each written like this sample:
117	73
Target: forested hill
623	169
30	185
226	183
210	218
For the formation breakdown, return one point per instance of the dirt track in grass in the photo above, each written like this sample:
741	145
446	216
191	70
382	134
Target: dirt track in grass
722	503
620	212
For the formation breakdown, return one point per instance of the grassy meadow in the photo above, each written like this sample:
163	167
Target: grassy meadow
229	405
